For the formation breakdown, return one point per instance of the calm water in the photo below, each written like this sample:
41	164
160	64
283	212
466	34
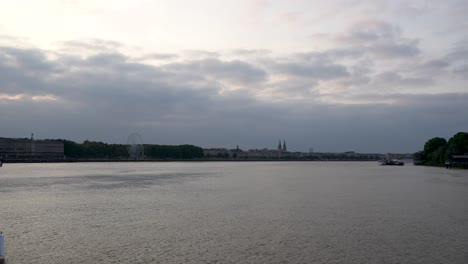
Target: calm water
298	212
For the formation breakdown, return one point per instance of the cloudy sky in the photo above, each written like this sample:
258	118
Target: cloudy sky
336	75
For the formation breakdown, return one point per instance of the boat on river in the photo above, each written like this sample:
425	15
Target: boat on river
391	162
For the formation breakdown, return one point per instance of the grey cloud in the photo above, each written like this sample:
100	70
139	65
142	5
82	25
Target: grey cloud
380	38
370	37
101	81
108	95
372	30
117	65
30	60
434	65
312	70
413	8
201	54
421	73
459	52
143	91
97	45
311	57
251	52
360	74
236	71
462	71
292	88
160	56
460	11
310	65
458	59
408	48
394	79
105	59
341	53
25	70
415	101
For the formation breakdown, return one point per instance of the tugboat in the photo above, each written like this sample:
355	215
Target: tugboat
391	162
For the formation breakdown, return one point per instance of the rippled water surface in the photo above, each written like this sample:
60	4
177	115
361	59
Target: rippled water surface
272	212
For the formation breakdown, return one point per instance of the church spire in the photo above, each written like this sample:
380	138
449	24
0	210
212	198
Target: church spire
284	146
279	145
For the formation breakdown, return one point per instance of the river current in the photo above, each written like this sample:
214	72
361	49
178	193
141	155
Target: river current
233	212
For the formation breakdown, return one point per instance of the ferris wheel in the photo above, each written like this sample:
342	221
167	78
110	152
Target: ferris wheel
135	146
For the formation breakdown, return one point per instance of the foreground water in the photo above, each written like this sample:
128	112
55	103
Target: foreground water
277	212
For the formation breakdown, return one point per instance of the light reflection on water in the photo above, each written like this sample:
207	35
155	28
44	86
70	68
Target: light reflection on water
297	212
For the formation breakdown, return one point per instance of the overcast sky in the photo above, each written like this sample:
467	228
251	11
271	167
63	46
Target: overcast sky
337	75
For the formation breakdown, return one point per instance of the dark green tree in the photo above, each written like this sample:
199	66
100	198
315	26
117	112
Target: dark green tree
437	150
173	152
458	144
434	143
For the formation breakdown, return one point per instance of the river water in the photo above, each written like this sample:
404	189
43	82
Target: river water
233	212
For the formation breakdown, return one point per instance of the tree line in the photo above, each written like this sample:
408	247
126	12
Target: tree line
437	151
100	150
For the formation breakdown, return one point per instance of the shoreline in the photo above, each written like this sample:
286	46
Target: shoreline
10	161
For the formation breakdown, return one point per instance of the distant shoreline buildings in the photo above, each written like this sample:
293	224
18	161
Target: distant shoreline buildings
24	148
33	150
238	153
282	153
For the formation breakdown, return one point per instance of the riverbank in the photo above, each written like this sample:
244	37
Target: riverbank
166	160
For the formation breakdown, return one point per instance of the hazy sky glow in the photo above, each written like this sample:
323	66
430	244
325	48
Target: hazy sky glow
363	75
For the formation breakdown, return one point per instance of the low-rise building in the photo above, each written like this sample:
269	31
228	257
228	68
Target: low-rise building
30	148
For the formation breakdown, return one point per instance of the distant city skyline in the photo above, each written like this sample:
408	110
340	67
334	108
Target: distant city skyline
281	147
366	76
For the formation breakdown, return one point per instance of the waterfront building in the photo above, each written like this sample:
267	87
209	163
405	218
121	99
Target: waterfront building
30	148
